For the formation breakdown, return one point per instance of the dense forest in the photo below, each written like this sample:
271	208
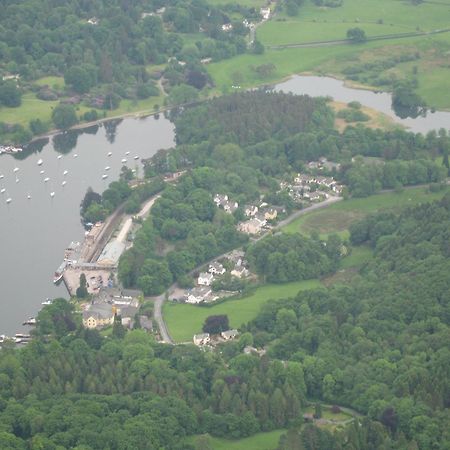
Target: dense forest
381	343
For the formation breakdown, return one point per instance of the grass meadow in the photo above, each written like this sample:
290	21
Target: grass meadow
259	441
338	217
184	320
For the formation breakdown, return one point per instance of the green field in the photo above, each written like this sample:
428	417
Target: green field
53	82
259	441
376	18
338	217
32	108
183	320
357	257
289	32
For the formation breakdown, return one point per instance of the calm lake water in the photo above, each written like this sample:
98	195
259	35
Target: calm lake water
326	86
34	232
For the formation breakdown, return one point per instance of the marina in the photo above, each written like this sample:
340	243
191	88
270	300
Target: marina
41	227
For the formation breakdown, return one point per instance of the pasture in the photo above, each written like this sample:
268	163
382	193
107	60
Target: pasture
338	217
259	441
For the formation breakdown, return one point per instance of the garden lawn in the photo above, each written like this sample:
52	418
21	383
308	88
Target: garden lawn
56	82
184	320
259	441
338	217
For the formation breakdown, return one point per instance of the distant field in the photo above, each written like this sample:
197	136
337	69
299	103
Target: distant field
292	32
183	320
338	217
32	108
357	257
259	441
376	18
51	81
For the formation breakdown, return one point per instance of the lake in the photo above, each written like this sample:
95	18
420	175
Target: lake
34	232
381	101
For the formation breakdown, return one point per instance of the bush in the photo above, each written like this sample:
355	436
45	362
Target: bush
146	90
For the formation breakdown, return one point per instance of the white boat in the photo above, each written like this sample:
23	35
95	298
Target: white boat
124	160
59	272
9	200
59	156
136	157
104	176
109	153
29	196
127	153
2	191
30	321
16	169
107	168
2	176
65	172
17	180
42	172
40	162
52	194
46	179
49	301
63	183
75	155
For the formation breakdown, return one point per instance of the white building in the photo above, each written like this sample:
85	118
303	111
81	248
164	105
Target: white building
229	334
216	268
205	279
201	339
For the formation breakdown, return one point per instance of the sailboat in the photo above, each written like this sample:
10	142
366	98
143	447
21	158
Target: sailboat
39	163
16	169
63	183
9	200
2	191
46	179
65	172
59	156
52	194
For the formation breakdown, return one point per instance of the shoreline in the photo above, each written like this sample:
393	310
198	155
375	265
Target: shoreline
147	113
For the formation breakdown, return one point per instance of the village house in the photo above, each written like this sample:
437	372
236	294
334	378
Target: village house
93	21
240	272
205	279
252	226
265	13
206	60
201	339
227	205
251	210
227	27
216	268
229	334
270	214
236	257
98	315
198	294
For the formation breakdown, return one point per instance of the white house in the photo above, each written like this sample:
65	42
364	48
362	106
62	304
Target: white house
227	27
216	268
251	210
265	13
198	294
205	279
240	272
229	334
201	339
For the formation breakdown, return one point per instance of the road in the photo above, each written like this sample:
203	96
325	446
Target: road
160	299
